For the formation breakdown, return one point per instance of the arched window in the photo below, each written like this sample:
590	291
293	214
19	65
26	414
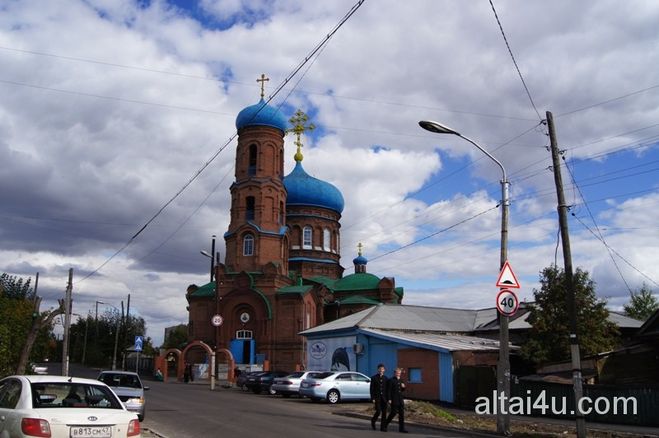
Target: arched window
248	245
327	239
251	170
307	238
249	215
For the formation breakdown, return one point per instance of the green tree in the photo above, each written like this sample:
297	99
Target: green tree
642	304
22	326
549	318
177	338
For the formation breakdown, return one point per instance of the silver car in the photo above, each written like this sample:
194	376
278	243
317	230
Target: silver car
128	387
335	386
290	385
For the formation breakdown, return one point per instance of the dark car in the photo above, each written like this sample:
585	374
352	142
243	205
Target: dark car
241	380
263	381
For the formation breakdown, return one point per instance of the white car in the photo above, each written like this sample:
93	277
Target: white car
290	385
335	386
60	406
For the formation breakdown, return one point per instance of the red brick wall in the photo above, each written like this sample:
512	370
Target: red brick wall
428	362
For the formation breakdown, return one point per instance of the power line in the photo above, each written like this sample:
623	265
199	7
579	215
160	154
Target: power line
318	47
613	99
443	230
614	251
528	93
590	213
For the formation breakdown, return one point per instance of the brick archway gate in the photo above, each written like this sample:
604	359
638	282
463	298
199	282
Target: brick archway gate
211	355
163	365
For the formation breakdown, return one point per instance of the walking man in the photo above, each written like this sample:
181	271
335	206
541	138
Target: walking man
395	389
379	397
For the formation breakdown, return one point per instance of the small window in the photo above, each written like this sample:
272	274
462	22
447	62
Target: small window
249	215
327	244
415	375
307	237
252	159
248	245
244	334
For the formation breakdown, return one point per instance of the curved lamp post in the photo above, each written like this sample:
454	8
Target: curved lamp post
503	366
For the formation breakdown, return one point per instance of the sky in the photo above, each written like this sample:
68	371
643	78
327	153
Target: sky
116	114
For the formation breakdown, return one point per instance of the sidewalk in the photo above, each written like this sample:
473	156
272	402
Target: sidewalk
484	425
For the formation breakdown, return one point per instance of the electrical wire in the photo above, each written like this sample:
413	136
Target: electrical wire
528	93
615	252
592	217
318	47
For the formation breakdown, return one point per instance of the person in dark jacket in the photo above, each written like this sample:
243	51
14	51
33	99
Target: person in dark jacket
379	397
395	388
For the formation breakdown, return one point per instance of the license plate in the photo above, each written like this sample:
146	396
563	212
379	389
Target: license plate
91	432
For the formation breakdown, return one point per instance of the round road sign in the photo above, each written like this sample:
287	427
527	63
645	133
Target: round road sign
217	320
507	302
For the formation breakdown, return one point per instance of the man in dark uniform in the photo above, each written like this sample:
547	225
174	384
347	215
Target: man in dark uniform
379	397
395	388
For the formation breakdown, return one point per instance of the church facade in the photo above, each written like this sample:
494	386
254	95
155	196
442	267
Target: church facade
282	272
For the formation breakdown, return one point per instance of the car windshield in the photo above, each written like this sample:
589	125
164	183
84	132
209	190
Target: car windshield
322	375
72	395
116	379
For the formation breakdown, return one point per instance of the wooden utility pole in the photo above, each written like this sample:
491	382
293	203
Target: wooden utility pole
67	325
569	280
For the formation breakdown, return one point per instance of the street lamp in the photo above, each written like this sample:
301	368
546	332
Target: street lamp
503	366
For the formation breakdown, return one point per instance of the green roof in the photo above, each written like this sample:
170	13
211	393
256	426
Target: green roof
399	291
295	289
325	281
359	281
207	290
359	299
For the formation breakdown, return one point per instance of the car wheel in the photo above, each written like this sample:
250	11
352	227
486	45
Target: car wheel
140	418
271	391
333	396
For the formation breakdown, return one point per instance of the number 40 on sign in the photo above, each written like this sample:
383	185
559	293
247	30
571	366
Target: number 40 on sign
507	302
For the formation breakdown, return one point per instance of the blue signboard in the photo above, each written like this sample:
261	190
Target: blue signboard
139	341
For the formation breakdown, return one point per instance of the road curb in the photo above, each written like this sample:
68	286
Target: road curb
147	432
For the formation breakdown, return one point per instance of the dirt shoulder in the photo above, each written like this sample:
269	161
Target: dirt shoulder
465	421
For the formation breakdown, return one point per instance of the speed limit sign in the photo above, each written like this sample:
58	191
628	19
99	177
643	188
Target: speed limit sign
507	302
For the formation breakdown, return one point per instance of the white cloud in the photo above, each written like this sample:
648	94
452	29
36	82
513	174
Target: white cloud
90	150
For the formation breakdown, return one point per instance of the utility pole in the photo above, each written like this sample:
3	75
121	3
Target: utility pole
569	280
67	324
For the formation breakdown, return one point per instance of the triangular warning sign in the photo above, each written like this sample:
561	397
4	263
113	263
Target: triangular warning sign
507	277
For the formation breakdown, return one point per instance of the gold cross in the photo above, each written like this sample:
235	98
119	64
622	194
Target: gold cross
359	248
262	81
298	120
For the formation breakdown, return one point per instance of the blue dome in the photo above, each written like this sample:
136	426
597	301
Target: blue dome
304	189
261	114
359	260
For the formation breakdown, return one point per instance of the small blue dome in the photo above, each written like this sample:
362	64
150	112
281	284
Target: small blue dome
261	114
304	189
359	260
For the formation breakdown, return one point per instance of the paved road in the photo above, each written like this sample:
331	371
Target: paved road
177	410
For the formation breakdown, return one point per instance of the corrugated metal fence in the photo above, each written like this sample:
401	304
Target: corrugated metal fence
605	403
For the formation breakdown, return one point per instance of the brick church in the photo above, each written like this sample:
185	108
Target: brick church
282	272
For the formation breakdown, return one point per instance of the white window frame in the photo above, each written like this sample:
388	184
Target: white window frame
307	237
248	245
